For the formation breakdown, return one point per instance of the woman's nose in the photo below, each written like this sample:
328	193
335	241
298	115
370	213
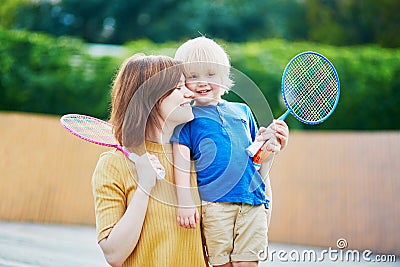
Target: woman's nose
187	93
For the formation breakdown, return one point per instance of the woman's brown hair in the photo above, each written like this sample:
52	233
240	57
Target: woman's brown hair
140	85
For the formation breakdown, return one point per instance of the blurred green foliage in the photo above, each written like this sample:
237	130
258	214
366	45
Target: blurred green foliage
43	74
369	77
335	22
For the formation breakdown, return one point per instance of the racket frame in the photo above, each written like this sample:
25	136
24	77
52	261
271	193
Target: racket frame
130	155
256	145
290	110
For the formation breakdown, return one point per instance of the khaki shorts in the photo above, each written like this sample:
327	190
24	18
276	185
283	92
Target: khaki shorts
234	231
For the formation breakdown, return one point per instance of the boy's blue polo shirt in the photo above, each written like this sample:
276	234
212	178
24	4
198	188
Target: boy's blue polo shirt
217	139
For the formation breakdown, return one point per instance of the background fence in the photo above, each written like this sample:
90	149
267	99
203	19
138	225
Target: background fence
326	185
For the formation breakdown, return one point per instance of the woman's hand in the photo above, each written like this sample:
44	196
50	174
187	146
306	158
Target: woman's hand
146	166
124	236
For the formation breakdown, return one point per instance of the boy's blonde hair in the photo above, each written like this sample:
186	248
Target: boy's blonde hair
206	54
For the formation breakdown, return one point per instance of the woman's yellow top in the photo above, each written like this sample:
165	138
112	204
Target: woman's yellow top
162	242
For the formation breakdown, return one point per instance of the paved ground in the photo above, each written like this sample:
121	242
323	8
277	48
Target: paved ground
41	245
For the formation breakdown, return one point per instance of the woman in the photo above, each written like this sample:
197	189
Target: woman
135	212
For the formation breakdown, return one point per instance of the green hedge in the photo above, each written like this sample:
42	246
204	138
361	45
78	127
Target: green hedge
57	76
369	77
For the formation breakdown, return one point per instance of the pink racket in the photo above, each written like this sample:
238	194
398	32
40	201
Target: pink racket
98	132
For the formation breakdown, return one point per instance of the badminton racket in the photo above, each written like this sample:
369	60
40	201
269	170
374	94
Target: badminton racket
98	132
310	89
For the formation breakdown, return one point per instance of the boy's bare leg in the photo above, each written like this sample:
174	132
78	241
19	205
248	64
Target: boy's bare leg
229	264
245	264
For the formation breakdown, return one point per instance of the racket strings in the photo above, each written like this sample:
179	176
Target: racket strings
90	129
311	87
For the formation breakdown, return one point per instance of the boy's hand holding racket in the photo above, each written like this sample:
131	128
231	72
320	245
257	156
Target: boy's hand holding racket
274	138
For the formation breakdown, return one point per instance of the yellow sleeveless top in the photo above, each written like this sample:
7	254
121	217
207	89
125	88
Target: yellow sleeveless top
162	242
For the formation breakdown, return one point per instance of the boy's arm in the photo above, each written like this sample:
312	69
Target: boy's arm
275	143
188	215
268	194
264	172
276	137
182	171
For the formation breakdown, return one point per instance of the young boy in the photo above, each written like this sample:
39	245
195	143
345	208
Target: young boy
234	201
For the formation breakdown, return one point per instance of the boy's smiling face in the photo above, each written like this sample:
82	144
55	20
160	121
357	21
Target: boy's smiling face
206	86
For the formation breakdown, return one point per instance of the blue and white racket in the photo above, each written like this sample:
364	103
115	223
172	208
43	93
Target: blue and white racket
310	88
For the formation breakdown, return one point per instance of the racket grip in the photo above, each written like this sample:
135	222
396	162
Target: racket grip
160	173
254	147
259	157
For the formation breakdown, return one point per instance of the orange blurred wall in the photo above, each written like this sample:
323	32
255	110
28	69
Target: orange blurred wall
326	185
45	171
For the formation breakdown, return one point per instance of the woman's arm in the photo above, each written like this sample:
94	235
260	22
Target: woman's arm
188	214
124	236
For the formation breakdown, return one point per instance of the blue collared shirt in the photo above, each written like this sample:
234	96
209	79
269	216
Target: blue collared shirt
217	139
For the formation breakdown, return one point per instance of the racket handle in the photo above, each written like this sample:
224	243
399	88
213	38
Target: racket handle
254	147
259	157
284	115
160	173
